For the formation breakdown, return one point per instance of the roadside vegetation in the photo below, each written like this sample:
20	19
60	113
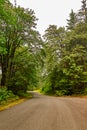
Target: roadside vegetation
57	65
7	96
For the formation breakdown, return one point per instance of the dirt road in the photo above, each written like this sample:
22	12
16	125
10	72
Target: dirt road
46	113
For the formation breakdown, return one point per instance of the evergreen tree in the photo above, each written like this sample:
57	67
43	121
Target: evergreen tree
71	22
82	14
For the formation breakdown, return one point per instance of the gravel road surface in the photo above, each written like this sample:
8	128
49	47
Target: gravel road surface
46	113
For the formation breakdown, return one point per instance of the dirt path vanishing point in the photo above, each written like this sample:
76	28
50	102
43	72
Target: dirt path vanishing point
46	113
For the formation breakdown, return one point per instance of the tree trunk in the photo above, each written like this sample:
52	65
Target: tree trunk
4	65
4	71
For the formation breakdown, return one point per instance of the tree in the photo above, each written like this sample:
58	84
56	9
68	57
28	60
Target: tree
17	29
24	74
54	41
82	14
66	66
54	48
5	19
71	21
77	37
74	70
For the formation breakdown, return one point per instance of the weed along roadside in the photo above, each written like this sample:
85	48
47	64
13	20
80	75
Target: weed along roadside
12	102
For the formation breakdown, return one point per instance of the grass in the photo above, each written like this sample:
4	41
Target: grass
10	104
8	99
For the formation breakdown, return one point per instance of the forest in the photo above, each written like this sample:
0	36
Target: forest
56	64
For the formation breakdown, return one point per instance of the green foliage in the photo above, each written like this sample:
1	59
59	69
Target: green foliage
60	92
83	11
17	84
71	22
24	95
46	89
65	70
20	47
6	95
73	69
25	72
17	29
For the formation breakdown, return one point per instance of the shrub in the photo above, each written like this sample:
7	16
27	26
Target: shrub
61	92
24	95
6	95
16	85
